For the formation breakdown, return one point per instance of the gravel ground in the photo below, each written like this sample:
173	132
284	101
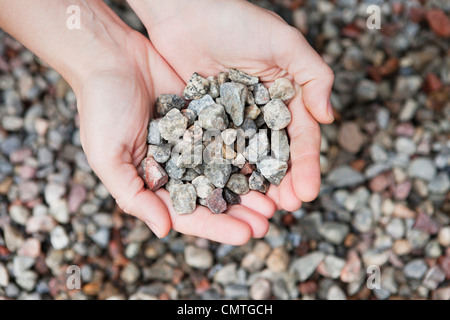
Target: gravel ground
384	199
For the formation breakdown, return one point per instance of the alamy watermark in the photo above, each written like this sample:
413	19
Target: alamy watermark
73	281
374	19
73	21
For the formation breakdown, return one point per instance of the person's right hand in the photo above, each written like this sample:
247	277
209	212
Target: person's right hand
115	104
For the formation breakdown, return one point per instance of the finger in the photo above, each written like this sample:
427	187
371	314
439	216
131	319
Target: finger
258	202
127	187
257	222
222	228
272	194
304	133
294	54
288	199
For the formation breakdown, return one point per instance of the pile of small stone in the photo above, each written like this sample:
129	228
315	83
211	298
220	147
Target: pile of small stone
230	139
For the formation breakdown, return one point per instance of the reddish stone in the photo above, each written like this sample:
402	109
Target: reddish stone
358	164
437	100
405	129
215	202
30	248
432	83
351	31
397	8
439	22
76	197
288	219
389	67
352	268
4	252
401	190
425	223
19	155
416	14
308	287
247	169
154	175
379	183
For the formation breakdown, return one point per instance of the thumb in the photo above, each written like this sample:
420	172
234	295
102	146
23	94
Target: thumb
294	54
127	187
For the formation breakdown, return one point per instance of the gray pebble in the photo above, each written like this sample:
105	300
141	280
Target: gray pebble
213	87
233	96
173	125
218	173
258	182
242	77
272	169
196	88
183	198
238	183
200	104
203	186
213	117
154	136
279	145
160	153
167	102
282	89
261	94
276	115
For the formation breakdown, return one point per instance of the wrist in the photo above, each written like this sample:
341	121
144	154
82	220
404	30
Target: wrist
152	12
98	46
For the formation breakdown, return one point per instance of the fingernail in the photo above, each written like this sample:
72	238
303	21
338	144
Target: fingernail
330	110
154	228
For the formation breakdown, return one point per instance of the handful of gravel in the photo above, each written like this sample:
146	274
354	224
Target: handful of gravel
230	139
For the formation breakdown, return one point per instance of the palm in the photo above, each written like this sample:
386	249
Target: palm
224	34
115	107
227	34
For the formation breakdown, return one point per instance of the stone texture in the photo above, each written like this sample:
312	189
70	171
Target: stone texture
276	115
183	198
282	89
173	125
153	174
242	77
238	183
233	96
273	170
213	117
196	88
167	102
215	201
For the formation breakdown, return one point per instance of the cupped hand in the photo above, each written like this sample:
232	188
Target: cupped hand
212	36
115	104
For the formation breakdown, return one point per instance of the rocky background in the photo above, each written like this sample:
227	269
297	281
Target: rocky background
384	199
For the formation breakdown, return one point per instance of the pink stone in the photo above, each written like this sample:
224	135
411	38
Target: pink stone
27	172
352	269
30	248
154	175
19	155
42	223
401	190
425	223
76	197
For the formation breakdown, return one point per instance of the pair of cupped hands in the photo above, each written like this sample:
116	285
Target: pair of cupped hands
206	36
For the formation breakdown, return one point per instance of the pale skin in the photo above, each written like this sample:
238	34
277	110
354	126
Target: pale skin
117	74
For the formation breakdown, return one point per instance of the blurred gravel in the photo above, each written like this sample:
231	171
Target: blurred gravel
384	199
